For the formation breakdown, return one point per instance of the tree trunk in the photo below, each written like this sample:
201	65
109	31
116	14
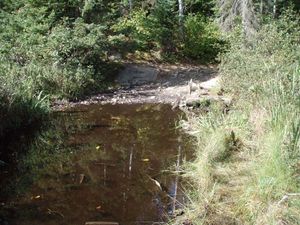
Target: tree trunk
181	15
274	8
130	5
249	21
261	7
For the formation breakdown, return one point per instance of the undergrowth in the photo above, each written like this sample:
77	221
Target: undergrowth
69	49
44	56
247	166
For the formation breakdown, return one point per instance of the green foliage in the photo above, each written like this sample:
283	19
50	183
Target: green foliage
59	49
149	32
257	185
274	46
68	61
204	7
159	31
264	75
75	53
203	39
46	54
137	29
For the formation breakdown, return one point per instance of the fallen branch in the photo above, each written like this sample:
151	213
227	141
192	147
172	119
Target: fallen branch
286	197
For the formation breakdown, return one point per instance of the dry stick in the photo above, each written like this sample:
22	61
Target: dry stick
105	164
176	180
116	223
149	222
130	162
104	174
293	194
178	202
286	197
101	223
50	211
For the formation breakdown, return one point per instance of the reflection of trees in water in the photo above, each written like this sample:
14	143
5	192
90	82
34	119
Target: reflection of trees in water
106	163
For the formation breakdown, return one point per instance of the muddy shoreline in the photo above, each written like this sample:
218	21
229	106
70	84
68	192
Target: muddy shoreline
160	84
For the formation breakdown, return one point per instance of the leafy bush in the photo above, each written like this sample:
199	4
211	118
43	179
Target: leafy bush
263	74
159	31
74	55
66	62
150	30
44	58
202	38
247	165
59	48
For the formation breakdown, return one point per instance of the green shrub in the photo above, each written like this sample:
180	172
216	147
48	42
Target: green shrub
264	75
44	58
251	175
202	38
148	32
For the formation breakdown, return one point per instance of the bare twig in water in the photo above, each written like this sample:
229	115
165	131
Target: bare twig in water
55	212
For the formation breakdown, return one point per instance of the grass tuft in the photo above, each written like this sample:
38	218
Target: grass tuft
247	166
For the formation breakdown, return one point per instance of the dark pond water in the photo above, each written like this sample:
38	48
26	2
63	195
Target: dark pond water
95	163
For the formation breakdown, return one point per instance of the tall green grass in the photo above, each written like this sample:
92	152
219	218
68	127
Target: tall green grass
247	167
19	105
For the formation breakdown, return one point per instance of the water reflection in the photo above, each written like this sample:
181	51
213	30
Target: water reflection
99	163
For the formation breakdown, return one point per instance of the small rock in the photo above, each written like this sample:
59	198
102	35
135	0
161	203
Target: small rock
116	56
227	101
212	83
176	103
187	222
114	101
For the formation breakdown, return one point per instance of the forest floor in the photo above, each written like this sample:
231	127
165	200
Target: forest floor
141	83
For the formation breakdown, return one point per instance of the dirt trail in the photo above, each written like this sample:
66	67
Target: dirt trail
150	83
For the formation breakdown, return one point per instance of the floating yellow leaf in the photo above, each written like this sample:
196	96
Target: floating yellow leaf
98	147
116	118
145	160
36	197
